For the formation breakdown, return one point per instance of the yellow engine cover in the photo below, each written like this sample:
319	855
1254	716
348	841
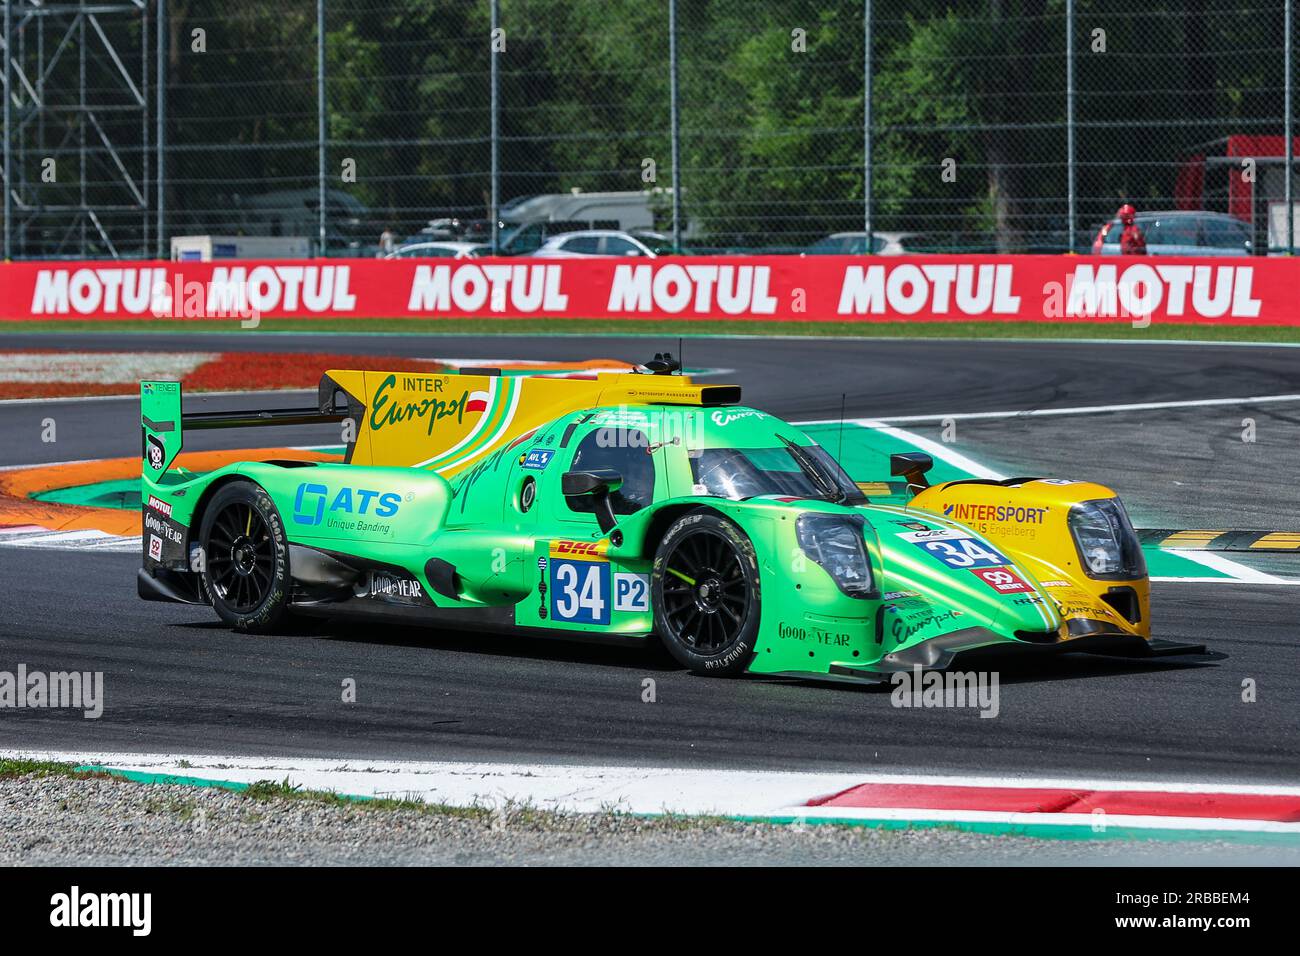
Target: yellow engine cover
1028	522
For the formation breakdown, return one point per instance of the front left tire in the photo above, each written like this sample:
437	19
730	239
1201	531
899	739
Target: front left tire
705	589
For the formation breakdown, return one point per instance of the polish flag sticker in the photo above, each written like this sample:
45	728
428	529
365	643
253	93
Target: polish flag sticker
1002	580
477	402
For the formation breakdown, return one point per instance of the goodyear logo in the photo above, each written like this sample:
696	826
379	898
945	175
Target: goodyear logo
312	502
582	550
1012	514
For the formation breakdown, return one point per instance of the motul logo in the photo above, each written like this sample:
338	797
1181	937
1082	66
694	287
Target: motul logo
1208	292
702	289
233	290
938	289
470	287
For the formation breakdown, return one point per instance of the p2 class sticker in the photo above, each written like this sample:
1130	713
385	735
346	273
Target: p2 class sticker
631	591
1002	580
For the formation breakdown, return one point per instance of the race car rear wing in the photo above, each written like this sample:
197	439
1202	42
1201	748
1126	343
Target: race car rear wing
450	421
163	423
440	420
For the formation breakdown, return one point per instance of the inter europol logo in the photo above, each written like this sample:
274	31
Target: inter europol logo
430	406
312	502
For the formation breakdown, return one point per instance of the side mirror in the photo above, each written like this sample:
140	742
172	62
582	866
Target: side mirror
599	484
912	465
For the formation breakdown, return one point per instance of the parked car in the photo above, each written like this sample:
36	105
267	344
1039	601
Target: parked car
657	242
450	229
593	242
440	250
528	238
855	244
1181	232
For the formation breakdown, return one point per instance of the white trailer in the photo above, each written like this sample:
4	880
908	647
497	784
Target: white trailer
211	248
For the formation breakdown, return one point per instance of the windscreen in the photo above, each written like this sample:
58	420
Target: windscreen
747	472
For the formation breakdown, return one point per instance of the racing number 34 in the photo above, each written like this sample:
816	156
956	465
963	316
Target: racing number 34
963	553
580	591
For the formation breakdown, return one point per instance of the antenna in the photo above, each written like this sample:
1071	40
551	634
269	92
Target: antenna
839	452
681	357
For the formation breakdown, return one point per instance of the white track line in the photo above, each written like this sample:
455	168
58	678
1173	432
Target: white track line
942	452
1049	412
1239	571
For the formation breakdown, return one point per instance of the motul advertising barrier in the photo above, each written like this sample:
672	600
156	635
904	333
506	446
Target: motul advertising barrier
1244	291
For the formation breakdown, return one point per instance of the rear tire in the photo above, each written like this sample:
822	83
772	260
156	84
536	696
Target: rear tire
246	558
705	588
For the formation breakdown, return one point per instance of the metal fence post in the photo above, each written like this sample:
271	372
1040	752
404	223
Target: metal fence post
1071	195
320	119
866	123
674	125
8	149
160	133
495	107
1288	131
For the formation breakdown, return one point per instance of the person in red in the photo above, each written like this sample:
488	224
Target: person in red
1131	240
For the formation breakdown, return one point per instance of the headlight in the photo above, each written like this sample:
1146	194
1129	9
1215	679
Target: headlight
1108	546
835	543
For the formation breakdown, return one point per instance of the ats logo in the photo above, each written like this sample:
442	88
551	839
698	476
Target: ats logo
309	503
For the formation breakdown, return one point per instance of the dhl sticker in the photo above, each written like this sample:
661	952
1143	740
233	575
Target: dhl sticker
580	550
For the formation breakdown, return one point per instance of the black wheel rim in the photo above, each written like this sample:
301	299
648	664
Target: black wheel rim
241	557
705	594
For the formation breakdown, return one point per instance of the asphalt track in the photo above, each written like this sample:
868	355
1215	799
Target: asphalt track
177	682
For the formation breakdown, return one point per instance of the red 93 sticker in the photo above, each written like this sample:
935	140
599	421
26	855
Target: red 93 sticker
1002	580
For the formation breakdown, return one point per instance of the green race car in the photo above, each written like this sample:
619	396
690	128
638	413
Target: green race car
625	508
